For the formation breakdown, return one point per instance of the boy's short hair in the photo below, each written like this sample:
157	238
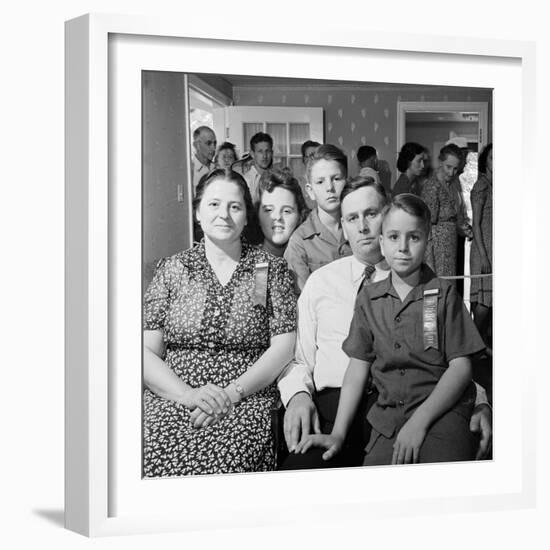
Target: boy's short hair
307	144
327	152
413	205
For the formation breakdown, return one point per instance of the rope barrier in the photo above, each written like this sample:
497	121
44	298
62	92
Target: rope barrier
475	276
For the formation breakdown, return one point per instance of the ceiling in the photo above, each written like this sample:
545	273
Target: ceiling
243	81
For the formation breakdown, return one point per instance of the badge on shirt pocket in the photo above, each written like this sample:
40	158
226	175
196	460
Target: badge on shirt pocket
429	319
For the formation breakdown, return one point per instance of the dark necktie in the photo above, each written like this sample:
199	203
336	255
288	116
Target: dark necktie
367	274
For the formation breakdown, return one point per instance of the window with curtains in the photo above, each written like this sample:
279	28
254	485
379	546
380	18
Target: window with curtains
289	127
287	141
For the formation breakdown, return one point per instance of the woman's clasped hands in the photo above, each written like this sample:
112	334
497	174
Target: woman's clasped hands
208	404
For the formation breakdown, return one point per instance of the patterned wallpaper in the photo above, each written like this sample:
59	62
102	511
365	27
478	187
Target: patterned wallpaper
356	116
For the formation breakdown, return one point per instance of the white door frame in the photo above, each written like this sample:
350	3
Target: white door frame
481	107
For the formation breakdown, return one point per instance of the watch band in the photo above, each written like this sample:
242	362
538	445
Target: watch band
239	389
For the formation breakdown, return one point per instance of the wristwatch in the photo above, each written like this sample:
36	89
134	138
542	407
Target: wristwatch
239	389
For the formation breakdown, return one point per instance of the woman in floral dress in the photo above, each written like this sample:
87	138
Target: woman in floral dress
441	253
481	289
219	328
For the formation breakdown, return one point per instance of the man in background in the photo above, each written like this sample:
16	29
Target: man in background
367	157
261	152
204	143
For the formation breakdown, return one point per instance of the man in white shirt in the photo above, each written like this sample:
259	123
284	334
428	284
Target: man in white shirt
204	143
261	150
310	385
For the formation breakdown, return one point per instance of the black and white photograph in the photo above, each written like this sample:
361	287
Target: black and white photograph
296	310
316	274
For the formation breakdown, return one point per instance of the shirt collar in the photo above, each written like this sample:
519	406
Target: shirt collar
201	164
428	280
252	168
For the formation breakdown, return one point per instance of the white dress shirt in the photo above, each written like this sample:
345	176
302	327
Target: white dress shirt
325	310
252	178
199	170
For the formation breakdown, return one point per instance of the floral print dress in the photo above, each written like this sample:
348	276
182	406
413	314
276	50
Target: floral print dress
213	334
441	253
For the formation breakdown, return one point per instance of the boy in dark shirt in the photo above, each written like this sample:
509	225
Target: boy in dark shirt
414	335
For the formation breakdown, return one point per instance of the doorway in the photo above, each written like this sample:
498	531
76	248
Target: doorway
432	124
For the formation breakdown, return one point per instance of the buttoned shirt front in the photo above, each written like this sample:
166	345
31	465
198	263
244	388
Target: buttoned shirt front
325	309
389	334
312	246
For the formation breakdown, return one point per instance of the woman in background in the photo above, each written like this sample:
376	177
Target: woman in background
441	254
410	163
226	155
481	289
219	328
281	209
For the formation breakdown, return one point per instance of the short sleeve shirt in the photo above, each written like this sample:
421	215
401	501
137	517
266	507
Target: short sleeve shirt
312	246
389	334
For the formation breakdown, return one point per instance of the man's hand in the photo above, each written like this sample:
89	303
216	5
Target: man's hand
482	423
301	418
